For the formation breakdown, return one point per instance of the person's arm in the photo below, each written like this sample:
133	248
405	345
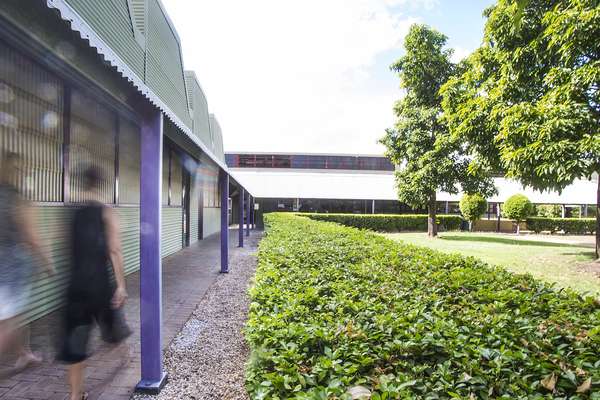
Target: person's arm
111	224
31	237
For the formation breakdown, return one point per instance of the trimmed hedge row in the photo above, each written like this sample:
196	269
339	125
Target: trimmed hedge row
567	225
390	222
334	308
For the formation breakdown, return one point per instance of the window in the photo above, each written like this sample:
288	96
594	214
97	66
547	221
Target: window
210	185
92	142
166	172
31	125
176	179
129	162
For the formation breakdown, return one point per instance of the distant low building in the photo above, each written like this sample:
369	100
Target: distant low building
349	183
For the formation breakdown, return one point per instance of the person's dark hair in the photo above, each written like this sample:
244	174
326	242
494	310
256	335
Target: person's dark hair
92	177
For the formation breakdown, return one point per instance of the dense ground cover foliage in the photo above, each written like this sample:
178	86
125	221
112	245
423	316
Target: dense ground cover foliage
391	222
335	307
577	226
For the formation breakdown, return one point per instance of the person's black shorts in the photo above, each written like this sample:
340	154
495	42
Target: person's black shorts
80	317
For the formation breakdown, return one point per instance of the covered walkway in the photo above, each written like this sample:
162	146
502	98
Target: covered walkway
113	372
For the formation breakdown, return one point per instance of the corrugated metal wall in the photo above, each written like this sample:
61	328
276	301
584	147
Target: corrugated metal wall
164	67
47	293
31	124
129	221
111	20
194	208
53	226
129	162
93	134
171	231
212	221
199	105
217	138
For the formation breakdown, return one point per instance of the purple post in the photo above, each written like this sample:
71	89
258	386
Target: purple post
248	211
224	184
151	140
241	218
252	215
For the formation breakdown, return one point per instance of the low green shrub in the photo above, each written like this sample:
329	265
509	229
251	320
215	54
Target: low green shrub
539	224
335	307
472	207
390	222
567	225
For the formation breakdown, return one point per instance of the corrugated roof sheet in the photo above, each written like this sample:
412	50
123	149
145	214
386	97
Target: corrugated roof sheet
162	82
353	185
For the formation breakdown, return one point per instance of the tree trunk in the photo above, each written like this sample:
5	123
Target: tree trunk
431	225
598	219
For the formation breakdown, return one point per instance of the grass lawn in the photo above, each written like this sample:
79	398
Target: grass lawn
566	264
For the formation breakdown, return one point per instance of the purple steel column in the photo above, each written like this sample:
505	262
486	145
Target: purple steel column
151	140
241	218
224	183
252	214
248	208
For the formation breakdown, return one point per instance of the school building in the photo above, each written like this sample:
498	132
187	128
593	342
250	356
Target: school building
102	82
365	184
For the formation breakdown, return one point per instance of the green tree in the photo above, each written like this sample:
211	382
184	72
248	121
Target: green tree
529	101
517	207
472	207
429	159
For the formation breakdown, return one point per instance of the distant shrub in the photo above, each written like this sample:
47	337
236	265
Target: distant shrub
517	207
548	210
539	224
472	207
577	226
390	222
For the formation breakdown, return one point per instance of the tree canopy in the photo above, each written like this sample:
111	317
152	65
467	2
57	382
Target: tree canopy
429	159
528	102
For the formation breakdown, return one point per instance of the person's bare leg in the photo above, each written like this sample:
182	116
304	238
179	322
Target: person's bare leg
7	334
25	355
75	377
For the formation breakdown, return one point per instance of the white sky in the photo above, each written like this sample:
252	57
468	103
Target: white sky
303	75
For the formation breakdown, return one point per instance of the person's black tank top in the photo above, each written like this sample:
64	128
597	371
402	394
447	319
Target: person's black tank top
90	278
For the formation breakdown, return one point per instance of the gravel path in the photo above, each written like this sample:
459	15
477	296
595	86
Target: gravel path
206	360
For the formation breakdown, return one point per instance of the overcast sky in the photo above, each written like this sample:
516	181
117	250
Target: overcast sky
309	75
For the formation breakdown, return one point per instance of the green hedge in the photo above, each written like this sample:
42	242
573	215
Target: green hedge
390	222
567	225
335	307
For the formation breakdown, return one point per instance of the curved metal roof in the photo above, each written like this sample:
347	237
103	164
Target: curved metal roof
162	84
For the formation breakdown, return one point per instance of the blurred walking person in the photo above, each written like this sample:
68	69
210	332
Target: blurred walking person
19	246
92	298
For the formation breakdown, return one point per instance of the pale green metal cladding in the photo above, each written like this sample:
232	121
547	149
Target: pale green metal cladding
112	21
150	47
198	108
217	137
127	27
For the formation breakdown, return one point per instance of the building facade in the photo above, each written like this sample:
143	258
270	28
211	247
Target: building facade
365	184
102	83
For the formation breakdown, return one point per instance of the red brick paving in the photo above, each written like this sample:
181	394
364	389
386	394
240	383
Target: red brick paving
113	372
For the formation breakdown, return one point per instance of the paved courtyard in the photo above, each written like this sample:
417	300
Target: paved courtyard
113	372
